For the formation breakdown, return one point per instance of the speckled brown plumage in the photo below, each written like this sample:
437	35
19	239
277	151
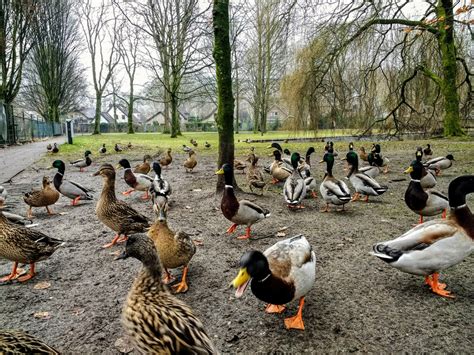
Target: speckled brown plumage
145	167
47	196
17	342
167	159
254	175
156	321
191	162
116	214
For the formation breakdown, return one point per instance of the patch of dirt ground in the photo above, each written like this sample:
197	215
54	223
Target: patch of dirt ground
358	302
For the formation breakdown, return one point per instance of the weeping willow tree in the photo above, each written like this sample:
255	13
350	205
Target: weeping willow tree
414	69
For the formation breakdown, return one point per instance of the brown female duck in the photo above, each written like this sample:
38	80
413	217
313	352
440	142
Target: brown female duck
17	342
41	198
254	175
191	162
145	167
25	246
116	214
167	159
156	321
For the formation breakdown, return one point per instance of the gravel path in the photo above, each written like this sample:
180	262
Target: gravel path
16	158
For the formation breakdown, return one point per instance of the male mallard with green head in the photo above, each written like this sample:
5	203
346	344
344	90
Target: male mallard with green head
241	212
294	189
137	182
283	273
83	163
435	245
332	190
68	188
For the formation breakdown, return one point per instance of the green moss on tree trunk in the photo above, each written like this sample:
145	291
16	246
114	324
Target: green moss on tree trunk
225	99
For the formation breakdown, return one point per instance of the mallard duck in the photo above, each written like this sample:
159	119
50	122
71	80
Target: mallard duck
278	170
283	273
304	166
3	195
145	167
160	189
194	142
362	154
239	165
25	246
68	188
362	183
166	159
17	342
332	150
55	148
254	175
116	214
294	189
103	150
174	249
435	245
332	190
191	162
82	163
284	158
428	179
440	163
186	149
427	151
49	147
156	321
137	182
378	159
372	170
45	197
129	145
424	203
207	145
118	148
241	212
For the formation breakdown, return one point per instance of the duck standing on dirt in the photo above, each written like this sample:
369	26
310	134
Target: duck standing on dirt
45	197
440	163
278	169
83	163
49	148
55	148
428	177
281	274
3	196
241	212
332	190
103	150
435	245
25	246
145	167
160	190
373	169
362	154
294	189
239	165
174	249
191	162
285	158
362	183
254	175
156	321
379	159
137	182
68	188
118	148
167	159
17	342
423	202
428	151
116	214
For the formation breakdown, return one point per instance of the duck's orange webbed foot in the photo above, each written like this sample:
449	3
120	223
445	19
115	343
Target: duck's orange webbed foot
29	275
146	196
296	322
182	287
246	235
13	275
232	228
128	192
76	200
356	197
168	278
314	194
438	287
113	242
326	209
275	308
275	181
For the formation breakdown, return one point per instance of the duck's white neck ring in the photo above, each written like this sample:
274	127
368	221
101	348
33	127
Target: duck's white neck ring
265	278
415	180
128	169
458	207
229	186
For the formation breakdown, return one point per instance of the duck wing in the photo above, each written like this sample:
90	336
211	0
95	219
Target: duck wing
254	207
336	187
433	161
73	188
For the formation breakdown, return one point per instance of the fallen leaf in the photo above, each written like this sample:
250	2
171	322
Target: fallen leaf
63	213
123	345
280	234
42	285
197	190
283	229
77	311
188	207
42	315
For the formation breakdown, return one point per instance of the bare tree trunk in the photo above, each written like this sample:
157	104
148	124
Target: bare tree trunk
175	122
98	111
130	112
225	99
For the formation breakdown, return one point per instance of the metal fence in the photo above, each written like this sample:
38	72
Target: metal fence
29	127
